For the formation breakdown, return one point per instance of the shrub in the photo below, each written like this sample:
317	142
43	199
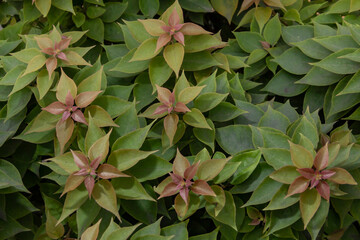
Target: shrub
179	120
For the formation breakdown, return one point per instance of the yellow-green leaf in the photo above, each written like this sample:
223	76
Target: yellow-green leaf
104	194
174	55
309	204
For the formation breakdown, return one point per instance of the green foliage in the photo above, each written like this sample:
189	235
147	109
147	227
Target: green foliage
152	119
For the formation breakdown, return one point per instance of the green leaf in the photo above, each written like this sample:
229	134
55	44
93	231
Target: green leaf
151	168
337	43
286	174
65	85
132	140
198	6
280	201
272	30
196	119
91	83
92	232
320	77
93	134
146	50
297	33
312	49
208	101
125	66
159	71
309	203
225	8
249	41
262	194
52	230
130	188
209	169
18	206
301	157
199	61
283	84
248	162
43	6
283	218
152	229
262	16
352	86
95	28
149	7
198	43
100	116
228	213
10	228
94	11
65	5
225	111
27	54
207	236
43	82
274	119
123	233
114	10
10	177
333	63
104	195
66	162
17	102
73	201
124	159
292	15
23	81
100	148
84	217
277	157
206	136
294	61
174	55
317	222
113	105
78	19
234	139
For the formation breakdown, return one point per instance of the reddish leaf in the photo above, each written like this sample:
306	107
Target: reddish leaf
80	159
170	126
245	5
184	193
51	64
153	26
193	29
299	185
44	43
174	18
164	95
169	190
342	176
202	187
69	100
180	164
72	182
179	36
324	190
191	171
325	174
55	108
107	171
322	158
162	41
161	109
85	98
95	163
89	184
63	44
181	107
64	130
78	116
306	172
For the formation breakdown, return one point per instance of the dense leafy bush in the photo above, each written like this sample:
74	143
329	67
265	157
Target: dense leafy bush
154	119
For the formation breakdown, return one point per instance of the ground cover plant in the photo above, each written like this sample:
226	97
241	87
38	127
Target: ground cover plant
157	119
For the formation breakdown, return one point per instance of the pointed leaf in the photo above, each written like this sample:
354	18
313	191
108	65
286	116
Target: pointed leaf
196	119
65	85
285	174
92	232
100	148
124	159
170	126
104	194
342	177
309	203
64	131
300	157
174	55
